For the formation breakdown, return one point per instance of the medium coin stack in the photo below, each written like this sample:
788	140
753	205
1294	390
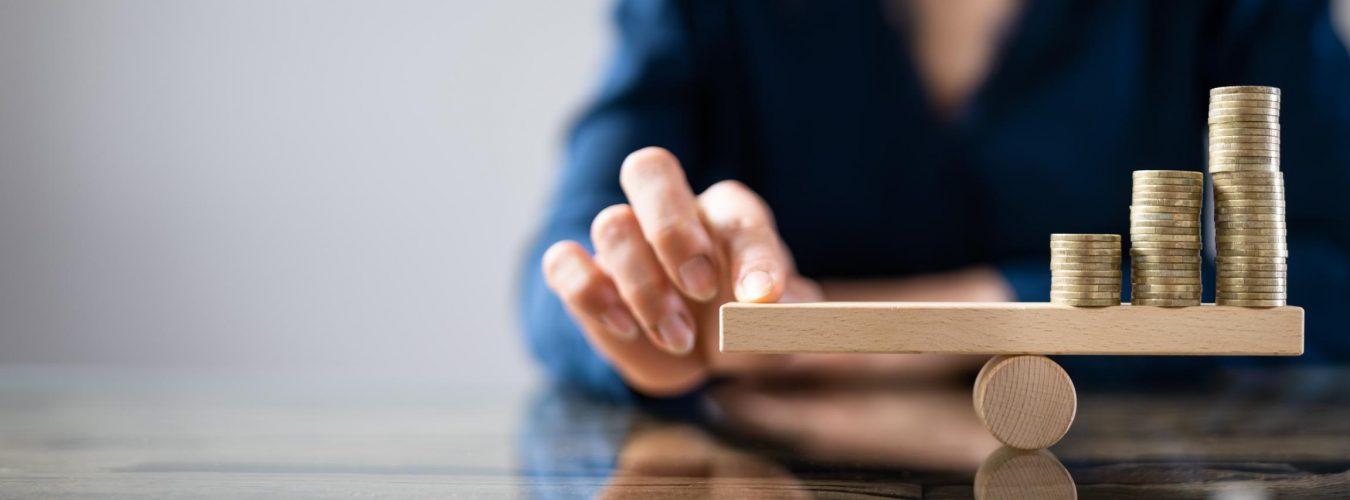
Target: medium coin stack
1249	213
1085	269
1165	239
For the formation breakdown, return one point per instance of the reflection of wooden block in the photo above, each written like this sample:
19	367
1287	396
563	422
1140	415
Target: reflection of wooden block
1027	402
1010	473
1010	328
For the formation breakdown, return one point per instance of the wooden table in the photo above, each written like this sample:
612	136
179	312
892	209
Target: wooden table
79	433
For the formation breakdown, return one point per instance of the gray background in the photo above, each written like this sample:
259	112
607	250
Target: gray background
321	185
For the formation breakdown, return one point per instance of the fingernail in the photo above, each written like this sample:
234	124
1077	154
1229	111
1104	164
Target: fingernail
620	323
570	275
755	285
677	333
697	276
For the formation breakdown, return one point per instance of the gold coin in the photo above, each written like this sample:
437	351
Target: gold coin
1216	132
1224	127
1152	273
1251	243
1254	295
1088	303
1250	303
1114	287
1085	258
1243	96
1216	118
1233	108
1216	166
1263	111
1248	188
1237	221
1135	297
1185	174
1169	259
1158	200
1241	160
1243	89
1163	266
1230	290
1244	149
1073	246
1085	252
1163	280
1154	237
1164	303
1069	273
1085	295
1136	230
1253	252
1178	224
1094	266
1249	218
1190	245
1249	203
1084	237
1149	232
1166	213
1168	181
1085	280
1167	191
1249	210
1270	234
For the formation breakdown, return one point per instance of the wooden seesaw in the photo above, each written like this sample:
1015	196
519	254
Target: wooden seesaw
1025	399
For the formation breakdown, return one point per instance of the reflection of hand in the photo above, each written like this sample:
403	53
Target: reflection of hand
904	427
683	451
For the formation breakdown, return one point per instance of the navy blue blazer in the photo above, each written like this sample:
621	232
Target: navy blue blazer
818	107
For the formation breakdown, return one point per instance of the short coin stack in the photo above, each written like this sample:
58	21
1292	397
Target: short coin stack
1249	214
1085	269
1165	239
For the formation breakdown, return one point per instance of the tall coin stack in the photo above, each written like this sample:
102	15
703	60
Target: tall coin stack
1085	269
1165	239
1244	163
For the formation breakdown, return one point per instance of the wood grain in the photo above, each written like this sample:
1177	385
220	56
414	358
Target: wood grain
1011	328
1026	402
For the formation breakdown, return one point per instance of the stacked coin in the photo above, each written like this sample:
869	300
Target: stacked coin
1165	238
1244	164
1244	129
1085	269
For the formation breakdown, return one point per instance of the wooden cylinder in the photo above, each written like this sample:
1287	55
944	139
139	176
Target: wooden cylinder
1027	402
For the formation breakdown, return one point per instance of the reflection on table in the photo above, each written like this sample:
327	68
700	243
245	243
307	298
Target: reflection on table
1259	434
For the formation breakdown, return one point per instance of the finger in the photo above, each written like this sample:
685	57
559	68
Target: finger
744	225
668	216
592	299
629	261
586	291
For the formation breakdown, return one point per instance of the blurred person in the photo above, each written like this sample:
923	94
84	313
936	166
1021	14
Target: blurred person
902	150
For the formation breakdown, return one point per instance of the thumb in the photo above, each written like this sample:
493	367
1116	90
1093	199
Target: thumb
743	224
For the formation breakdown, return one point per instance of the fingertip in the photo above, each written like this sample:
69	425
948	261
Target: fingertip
754	286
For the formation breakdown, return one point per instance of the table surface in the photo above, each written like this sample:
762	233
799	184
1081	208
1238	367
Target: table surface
68	433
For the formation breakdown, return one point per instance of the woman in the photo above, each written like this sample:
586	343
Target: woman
902	150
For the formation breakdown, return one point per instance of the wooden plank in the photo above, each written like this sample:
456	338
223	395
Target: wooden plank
1011	328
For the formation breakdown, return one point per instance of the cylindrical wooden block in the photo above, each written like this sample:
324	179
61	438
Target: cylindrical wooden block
1027	402
1009	473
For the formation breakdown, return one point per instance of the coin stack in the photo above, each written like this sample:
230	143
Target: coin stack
1085	269
1244	163
1165	238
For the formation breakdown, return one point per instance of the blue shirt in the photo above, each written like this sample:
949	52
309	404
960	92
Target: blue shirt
819	108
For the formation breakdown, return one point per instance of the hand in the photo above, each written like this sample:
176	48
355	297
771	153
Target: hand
648	300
